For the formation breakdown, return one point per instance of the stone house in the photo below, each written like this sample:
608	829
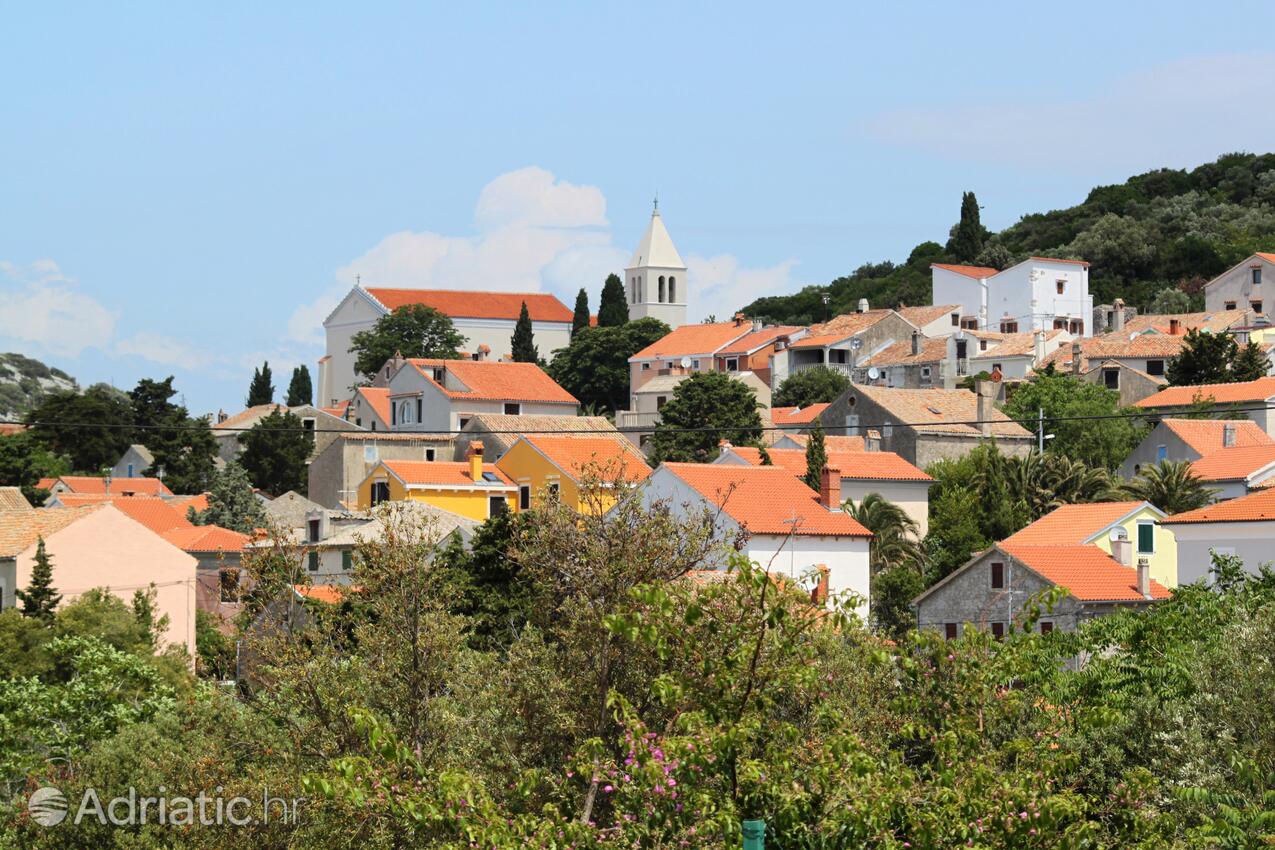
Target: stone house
1243	286
335	473
1191	439
498	432
136	460
1253	399
322	425
843	342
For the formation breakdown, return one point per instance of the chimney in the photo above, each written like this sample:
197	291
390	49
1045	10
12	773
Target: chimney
997	375
475	457
1117	315
863	305
1228	435
723	444
757	325
484	351
916	342
739	319
819	596
1122	551
830	488
1144	578
1076	359
1175	327
872	440
983	412
221	416
1038	350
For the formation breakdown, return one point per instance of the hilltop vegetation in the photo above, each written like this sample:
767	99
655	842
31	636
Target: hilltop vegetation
1167	228
24	381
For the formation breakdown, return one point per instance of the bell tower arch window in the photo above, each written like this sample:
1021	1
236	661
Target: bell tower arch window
672	289
661	293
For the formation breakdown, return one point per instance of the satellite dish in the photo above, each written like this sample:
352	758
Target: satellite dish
873	373
686	362
1119	533
856	344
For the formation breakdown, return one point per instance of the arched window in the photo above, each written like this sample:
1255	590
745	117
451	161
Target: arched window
661	289
633	289
404	413
672	290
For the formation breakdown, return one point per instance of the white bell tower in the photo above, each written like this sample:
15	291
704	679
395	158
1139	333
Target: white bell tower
655	280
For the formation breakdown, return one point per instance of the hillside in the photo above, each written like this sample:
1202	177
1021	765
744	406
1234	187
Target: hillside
1165	228
24	380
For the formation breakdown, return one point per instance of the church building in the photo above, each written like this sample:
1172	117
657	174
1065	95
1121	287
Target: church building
656	277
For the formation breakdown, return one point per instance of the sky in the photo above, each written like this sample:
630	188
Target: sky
188	189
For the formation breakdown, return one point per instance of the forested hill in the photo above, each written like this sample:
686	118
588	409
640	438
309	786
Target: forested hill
1163	229
24	381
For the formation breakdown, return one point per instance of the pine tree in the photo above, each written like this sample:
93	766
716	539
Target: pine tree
967	239
231	502
1250	364
261	390
580	320
816	456
40	599
522	345
300	390
613	308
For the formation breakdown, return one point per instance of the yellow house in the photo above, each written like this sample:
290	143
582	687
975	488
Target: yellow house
1127	531
554	466
469	488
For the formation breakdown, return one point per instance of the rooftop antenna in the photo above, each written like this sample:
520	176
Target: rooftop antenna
358	279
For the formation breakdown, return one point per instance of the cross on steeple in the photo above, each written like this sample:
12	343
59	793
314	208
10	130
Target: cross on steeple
657	201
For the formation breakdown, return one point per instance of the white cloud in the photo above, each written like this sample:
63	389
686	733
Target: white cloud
41	308
720	285
163	349
1179	113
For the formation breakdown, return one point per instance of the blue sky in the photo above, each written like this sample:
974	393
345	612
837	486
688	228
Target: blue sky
187	188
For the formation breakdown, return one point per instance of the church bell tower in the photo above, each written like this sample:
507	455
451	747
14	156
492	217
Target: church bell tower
655	280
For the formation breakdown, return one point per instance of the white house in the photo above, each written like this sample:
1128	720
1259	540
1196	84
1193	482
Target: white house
1039	293
790	529
442	395
483	318
1244	527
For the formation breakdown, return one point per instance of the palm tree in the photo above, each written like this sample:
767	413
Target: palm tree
1171	486
1044	482
894	533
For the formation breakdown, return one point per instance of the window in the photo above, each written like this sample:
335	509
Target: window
838	355
369	454
996	367
1061	324
513	408
661	289
956	320
1076	327
308	425
969	323
672	290
852	424
1155	367
404	412
312	562
496	505
998	575
1046	626
429	454
1229	305
646	366
998	630
1161	453
461	422
949	631
393	415
347	560
228	584
130	470
380	492
660	400
440	374
1146	538
358	422
925	374
524	497
313	526
1111	377
982	345
887	429
732	364
419	409
1061	285
551	489
1257	275
374	426
1009	326
1256	305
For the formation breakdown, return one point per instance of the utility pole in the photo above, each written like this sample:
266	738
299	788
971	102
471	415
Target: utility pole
1040	430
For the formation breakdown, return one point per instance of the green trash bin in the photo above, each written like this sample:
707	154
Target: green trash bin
754	835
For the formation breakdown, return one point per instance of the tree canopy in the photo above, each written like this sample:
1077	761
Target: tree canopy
706	407
580	317
594	367
413	330
261	389
817	385
1209	358
231	502
300	389
1064	399
522	344
275	452
92	428
183	447
613	307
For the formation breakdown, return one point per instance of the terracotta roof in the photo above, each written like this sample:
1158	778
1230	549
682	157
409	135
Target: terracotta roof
1234	464
766	500
378	399
338	410
509	428
840	328
976	272
1270	258
397	437
443	473
11	499
496	380
932	350
119	486
1204	436
246	418
797	415
938	411
182	503
1217	320
1057	260
921	316
1251	391
8	429
690	340
159	515
749	343
19	530
1073	524
1015	345
1087	572
329	594
1115	346
541	306
831	443
612	455
1258	506
206	538
873	466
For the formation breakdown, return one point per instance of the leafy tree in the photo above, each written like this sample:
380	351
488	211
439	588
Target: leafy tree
706	408
1170	299
994	255
413	331
522	345
92	428
896	561
1064	398
1251	363
215	657
40	599
276	452
184	448
816	457
580	318
595	366
231	502
482	582
150	624
818	385
969	234
1171	486
24	460
300	390
261	390
613	307
1206	358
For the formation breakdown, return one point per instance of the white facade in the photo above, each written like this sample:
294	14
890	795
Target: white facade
1036	294
1243	286
1252	542
655	280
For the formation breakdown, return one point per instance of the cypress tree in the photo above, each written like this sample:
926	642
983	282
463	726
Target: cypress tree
522	345
613	307
261	390
580	320
816	456
967	240
40	598
300	390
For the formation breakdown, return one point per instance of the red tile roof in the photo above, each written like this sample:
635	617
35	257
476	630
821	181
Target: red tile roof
1254	391
872	466
206	538
1234	464
766	500
119	486
444	473
1087	572
976	272
1072	524
159	515
925	314
1204	436
457	304
330	594
797	415
378	399
831	443
749	343
690	340
611	455
1258	506
495	380
20	530
182	503
338	410
1057	260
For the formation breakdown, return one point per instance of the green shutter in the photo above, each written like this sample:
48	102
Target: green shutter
347	559
1146	538
314	562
